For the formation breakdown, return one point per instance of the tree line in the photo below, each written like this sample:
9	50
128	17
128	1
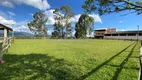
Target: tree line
63	24
63	17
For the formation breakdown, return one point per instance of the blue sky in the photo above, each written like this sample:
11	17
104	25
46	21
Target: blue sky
19	12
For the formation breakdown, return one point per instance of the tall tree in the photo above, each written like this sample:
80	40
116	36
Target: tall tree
63	20
110	6
84	24
38	25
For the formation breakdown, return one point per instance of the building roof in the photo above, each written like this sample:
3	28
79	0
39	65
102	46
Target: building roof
2	27
103	29
125	32
100	30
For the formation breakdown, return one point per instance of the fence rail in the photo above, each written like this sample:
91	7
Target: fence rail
4	45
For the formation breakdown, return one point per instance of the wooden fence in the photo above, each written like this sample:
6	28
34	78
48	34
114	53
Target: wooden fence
30	37
4	45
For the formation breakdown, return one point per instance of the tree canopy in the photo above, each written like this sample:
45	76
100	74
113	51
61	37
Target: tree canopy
38	25
84	24
63	20
109	6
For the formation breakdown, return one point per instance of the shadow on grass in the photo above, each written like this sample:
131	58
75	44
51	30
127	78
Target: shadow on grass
119	69
104	63
36	66
134	68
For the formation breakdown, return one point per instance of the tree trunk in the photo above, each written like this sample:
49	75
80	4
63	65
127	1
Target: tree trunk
62	34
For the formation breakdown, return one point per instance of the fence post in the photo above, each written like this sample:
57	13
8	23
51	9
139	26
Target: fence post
1	46
1	60
12	38
10	42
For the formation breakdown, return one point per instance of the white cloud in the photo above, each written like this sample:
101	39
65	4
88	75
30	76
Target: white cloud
90	35
39	4
50	15
21	23
6	3
73	33
122	30
95	16
6	21
49	32
21	27
17	26
7	15
120	21
31	14
11	13
76	18
3	14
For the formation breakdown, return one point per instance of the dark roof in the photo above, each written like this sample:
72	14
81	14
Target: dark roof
100	30
124	32
1	25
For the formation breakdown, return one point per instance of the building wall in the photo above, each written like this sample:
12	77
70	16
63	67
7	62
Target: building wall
110	30
123	37
101	33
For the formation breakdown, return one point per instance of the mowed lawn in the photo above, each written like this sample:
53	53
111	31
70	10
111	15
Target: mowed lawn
71	60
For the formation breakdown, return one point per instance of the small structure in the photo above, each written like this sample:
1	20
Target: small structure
4	45
6	30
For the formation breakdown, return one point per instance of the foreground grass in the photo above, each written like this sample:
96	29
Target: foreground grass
71	60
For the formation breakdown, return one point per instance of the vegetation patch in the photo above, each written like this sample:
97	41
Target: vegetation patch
71	60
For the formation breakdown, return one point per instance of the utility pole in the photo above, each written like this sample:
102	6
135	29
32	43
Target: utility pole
138	33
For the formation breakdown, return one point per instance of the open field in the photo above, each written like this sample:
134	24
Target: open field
71	60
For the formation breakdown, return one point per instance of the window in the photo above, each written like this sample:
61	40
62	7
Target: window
122	34
107	34
96	33
114	34
131	34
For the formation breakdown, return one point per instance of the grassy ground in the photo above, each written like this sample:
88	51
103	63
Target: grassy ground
71	60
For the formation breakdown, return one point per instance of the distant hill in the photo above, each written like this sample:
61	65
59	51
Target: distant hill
26	34
21	34
17	34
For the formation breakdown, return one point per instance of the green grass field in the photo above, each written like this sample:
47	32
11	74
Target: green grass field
71	60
